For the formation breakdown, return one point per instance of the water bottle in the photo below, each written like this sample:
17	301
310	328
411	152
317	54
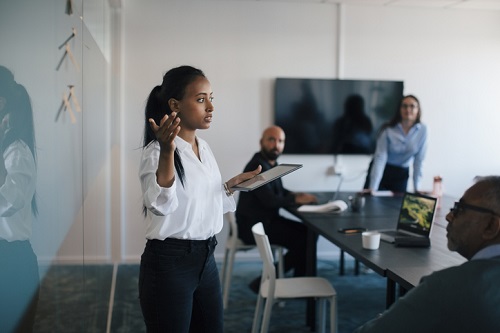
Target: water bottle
437	189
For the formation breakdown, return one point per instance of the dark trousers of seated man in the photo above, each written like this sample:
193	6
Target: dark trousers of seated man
284	232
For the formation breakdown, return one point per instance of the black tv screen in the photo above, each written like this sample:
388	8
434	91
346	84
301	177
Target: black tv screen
329	116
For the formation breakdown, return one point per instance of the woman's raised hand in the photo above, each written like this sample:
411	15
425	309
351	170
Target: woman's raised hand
167	130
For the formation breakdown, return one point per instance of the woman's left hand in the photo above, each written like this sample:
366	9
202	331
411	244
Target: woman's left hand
243	176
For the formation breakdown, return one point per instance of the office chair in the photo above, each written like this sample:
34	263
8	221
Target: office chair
233	245
274	289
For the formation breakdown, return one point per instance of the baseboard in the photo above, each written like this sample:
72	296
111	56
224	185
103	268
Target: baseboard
74	260
254	256
219	257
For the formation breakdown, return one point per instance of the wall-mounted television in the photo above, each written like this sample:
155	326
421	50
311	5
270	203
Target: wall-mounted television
330	116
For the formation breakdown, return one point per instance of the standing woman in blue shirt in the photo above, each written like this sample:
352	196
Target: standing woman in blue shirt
401	141
184	201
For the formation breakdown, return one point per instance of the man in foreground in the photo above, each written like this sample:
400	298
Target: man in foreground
464	298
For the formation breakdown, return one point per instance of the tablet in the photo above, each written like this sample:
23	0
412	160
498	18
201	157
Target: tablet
265	177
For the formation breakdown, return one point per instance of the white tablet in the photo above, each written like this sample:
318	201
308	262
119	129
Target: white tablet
265	177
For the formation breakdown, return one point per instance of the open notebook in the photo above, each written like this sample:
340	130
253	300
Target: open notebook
416	217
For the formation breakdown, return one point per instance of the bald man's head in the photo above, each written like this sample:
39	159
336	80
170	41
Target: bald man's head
272	143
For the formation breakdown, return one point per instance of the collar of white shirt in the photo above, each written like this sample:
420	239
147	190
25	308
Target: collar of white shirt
488	252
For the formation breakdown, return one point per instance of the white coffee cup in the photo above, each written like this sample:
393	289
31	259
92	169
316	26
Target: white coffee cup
371	240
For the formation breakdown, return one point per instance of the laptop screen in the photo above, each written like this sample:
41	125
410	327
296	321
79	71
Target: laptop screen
417	213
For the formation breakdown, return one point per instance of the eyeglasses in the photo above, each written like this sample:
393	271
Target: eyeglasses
459	207
410	106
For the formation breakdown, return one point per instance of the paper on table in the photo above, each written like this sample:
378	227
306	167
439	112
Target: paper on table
383	193
336	206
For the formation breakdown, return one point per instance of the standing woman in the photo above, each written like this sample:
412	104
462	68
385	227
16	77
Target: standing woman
19	276
184	201
401	141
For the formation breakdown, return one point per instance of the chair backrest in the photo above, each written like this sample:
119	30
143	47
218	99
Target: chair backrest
266	253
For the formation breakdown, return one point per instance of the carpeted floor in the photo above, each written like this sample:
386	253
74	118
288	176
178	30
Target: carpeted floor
77	299
359	298
74	298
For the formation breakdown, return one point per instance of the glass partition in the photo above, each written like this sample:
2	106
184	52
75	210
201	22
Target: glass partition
55	257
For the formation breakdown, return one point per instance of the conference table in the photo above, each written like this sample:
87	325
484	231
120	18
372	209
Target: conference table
402	266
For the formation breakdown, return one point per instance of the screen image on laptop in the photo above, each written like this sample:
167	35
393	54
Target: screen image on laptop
416	216
417	213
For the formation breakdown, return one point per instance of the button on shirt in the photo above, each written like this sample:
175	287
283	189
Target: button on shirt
397	148
17	193
190	211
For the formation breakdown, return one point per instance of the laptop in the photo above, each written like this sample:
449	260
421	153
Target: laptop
416	217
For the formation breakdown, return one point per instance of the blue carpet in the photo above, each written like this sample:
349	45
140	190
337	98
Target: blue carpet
76	299
127	316
359	299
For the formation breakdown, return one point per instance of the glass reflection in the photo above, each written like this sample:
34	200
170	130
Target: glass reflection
19	277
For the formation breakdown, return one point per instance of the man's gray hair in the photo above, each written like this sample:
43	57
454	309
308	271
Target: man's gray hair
491	195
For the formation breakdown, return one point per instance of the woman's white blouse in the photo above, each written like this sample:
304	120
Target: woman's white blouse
190	211
17	192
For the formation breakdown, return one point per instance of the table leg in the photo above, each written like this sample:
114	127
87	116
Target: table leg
356	267
341	262
402	291
390	293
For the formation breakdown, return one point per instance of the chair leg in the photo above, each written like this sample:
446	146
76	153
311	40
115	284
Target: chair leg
223	274
224	267
281	263
266	319
281	268
227	277
258	314
322	314
333	314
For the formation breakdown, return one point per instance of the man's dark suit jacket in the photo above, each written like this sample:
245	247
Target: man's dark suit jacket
262	204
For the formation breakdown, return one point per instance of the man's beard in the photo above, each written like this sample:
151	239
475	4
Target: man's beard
271	155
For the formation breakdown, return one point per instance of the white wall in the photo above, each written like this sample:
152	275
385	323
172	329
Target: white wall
448	58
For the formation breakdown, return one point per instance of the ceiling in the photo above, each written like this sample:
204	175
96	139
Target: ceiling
489	5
